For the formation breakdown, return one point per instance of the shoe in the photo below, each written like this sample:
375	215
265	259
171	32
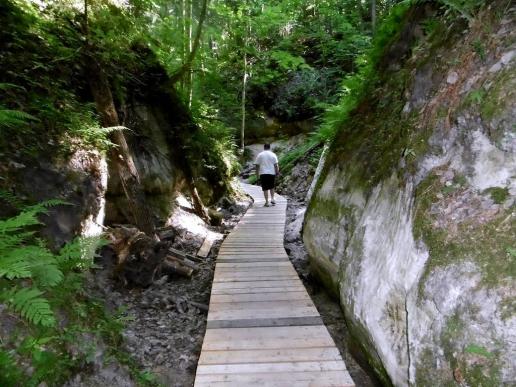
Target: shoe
266	205
273	203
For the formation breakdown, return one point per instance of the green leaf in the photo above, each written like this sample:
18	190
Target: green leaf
30	305
12	118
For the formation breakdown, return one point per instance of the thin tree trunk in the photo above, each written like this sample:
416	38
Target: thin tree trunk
183	39
190	48
373	15
244	87
185	68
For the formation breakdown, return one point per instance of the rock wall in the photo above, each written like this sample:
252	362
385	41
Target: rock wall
160	176
412	221
80	180
168	147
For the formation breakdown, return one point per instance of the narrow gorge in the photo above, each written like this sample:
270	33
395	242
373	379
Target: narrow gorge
128	127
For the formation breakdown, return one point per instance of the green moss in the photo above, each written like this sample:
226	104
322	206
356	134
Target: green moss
330	209
478	350
477	365
498	194
499	95
485	244
508	308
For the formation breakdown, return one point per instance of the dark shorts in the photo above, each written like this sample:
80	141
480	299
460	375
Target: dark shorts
267	181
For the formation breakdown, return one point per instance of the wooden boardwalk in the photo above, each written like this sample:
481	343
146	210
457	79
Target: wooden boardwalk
263	328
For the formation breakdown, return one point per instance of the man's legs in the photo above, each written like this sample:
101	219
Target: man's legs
266	195
272	196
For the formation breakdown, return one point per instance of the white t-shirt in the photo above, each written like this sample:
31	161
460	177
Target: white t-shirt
266	161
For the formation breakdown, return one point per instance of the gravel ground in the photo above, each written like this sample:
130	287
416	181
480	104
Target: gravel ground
167	321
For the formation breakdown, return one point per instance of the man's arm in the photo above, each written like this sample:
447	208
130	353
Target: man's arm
276	169
257	168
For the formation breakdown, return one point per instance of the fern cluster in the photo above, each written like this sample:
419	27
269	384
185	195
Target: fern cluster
34	282
30	268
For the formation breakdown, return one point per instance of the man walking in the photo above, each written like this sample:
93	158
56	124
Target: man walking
266	170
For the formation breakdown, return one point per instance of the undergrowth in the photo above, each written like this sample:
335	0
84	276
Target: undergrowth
51	327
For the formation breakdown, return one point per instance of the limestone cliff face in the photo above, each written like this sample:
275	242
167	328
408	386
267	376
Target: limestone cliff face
412	221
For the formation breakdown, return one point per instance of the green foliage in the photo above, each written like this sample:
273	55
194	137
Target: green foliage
253	179
498	194
479	48
288	160
476	96
464	8
38	285
356	86
43	83
9	370
14	118
478	350
287	61
30	305
26	257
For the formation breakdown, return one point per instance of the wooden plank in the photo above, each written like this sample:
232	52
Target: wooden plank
253	275
245	368
252	260
258	284
338	378
223	265
252	278
254	290
250	314
267	338
263	305
265	322
205	249
269	355
257	270
259	297
256	267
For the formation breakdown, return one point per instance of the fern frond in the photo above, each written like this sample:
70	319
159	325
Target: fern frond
6	86
11	199
31	261
14	267
45	271
10	373
12	241
24	219
31	306
12	118
28	217
79	252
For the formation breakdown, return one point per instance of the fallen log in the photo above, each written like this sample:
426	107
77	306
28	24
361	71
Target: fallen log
199	306
173	265
184	255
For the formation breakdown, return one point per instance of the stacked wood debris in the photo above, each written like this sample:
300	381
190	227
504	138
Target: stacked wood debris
141	260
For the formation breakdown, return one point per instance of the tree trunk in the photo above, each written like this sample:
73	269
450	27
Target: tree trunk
190	48
185	68
373	15
183	39
244	86
199	208
120	155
